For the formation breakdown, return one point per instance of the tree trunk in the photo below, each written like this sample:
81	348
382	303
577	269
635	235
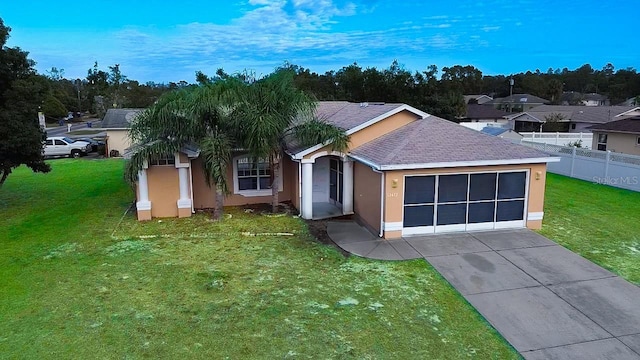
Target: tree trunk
219	209
275	185
5	173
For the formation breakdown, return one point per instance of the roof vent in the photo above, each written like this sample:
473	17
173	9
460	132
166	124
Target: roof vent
364	104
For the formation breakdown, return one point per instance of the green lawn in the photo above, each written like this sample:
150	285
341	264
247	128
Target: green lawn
599	222
79	282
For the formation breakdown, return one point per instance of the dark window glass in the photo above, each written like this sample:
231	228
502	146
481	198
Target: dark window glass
60	142
247	183
602	147
341	183
333	164
452	188
602	138
481	212
419	189
418	216
49	142
265	183
510	210
452	214
333	185
511	185
482	187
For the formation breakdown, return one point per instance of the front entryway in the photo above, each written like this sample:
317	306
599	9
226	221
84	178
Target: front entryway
464	202
328	185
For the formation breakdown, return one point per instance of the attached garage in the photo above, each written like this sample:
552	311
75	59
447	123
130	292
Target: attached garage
464	202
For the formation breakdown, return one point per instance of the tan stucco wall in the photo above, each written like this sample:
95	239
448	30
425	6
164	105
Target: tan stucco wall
374	131
366	195
117	140
164	190
622	143
394	189
204	197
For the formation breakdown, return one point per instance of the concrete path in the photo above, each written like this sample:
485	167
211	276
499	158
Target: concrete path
547	301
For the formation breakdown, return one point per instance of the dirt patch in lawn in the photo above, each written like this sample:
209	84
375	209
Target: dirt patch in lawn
318	229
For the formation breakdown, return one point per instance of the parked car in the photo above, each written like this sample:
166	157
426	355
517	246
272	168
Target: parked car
63	146
95	144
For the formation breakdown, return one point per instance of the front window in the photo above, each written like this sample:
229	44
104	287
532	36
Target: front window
638	141
253	174
163	160
602	142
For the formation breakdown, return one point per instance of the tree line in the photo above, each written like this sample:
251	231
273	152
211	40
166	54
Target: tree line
437	91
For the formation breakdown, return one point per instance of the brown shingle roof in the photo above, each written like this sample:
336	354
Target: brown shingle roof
475	111
628	125
577	113
437	141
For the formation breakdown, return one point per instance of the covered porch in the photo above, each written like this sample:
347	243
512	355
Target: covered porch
326	186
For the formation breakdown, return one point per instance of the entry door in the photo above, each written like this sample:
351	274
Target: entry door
335	181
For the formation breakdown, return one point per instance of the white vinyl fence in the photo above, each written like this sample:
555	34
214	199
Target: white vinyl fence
556	138
602	167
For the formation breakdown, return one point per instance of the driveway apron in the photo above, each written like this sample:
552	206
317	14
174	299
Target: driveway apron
547	301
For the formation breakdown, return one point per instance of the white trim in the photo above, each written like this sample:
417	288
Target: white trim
143	205
193	210
366	124
514	117
382	202
251	193
313	158
450	228
451	164
307	191
307	161
480	226
179	164
533	216
510	224
637	108
393	226
184	204
418	230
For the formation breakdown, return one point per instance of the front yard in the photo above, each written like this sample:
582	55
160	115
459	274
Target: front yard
80	280
599	222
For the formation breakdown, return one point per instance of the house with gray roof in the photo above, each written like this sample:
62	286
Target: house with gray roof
621	135
518	102
573	118
116	123
405	172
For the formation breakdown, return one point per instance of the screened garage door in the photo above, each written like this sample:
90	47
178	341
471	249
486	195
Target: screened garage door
464	202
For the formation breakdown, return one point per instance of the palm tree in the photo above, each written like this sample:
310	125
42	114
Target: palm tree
197	115
271	110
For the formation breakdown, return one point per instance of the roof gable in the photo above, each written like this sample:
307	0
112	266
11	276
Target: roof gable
352	117
628	125
440	142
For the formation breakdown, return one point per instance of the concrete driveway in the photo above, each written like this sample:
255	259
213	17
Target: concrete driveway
547	301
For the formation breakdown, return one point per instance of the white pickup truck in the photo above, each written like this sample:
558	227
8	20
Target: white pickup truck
63	146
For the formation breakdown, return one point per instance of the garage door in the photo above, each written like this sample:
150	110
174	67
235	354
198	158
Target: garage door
464	202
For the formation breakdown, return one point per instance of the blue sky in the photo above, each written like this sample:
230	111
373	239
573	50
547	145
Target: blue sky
170	40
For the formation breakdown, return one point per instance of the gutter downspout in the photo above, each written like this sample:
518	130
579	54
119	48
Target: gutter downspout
381	234
299	186
193	211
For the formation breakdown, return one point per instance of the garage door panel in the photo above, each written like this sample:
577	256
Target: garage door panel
512	185
482	187
452	188
418	216
452	214
481	212
510	210
420	189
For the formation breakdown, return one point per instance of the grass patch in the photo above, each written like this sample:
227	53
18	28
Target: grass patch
596	221
192	288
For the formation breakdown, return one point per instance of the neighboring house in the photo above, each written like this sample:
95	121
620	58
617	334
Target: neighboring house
503	133
577	98
484	113
621	136
574	118
517	102
405	173
634	101
477	99
116	123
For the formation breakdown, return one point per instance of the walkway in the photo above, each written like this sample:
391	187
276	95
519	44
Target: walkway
547	301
